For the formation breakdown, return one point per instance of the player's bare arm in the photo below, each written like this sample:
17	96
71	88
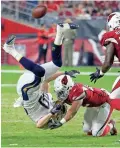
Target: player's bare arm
45	84
109	58
71	73
72	110
44	120
111	40
69	115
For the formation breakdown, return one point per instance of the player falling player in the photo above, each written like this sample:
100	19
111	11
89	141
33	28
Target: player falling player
38	105
111	40
97	101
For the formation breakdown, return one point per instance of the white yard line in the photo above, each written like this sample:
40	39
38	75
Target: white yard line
15	121
8	85
21	71
81	73
12	71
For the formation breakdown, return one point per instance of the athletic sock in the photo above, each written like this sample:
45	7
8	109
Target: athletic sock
31	66
16	55
58	40
56	55
59	36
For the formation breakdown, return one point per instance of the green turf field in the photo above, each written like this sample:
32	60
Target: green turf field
19	131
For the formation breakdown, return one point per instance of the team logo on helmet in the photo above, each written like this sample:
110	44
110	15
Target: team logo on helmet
64	80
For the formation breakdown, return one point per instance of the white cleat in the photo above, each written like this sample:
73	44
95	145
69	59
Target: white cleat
9	44
18	102
61	27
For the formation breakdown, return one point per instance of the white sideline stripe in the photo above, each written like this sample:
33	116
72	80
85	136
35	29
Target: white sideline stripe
15	121
81	73
8	85
12	71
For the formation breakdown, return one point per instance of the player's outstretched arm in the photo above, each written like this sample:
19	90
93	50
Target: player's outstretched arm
109	59
69	115
71	73
44	120
45	84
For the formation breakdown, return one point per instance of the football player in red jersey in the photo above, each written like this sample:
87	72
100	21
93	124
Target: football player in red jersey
111	40
95	99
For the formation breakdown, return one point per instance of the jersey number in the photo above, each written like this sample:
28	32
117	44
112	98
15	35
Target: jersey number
44	101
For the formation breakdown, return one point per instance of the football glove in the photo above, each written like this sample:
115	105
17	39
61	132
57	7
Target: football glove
96	75
55	125
72	73
56	109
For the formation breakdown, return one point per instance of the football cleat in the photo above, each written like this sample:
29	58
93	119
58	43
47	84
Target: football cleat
11	40
113	130
68	25
61	27
9	44
89	133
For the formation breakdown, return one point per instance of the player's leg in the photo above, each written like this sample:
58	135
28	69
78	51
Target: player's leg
116	89
89	115
56	63
100	126
26	63
56	53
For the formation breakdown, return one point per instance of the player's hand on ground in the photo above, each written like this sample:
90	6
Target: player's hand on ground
96	75
56	109
55	125
72	73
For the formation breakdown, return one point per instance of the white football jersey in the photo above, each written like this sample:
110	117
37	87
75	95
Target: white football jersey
36	103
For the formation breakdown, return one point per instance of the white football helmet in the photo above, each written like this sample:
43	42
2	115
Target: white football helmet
113	21
62	86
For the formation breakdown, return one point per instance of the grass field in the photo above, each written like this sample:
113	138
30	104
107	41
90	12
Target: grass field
19	131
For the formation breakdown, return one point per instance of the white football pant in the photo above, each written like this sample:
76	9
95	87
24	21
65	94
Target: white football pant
96	119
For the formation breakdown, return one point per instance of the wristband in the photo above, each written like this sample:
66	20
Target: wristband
63	121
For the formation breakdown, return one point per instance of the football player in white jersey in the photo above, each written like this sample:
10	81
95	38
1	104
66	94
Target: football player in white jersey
37	104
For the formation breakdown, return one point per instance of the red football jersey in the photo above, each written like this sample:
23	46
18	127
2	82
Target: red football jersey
114	37
94	97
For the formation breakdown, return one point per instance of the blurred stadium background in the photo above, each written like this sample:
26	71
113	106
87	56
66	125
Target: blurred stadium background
16	18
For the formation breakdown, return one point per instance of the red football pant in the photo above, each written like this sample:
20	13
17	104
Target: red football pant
115	103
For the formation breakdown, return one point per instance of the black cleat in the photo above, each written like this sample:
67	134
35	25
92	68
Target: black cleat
71	25
113	130
11	40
